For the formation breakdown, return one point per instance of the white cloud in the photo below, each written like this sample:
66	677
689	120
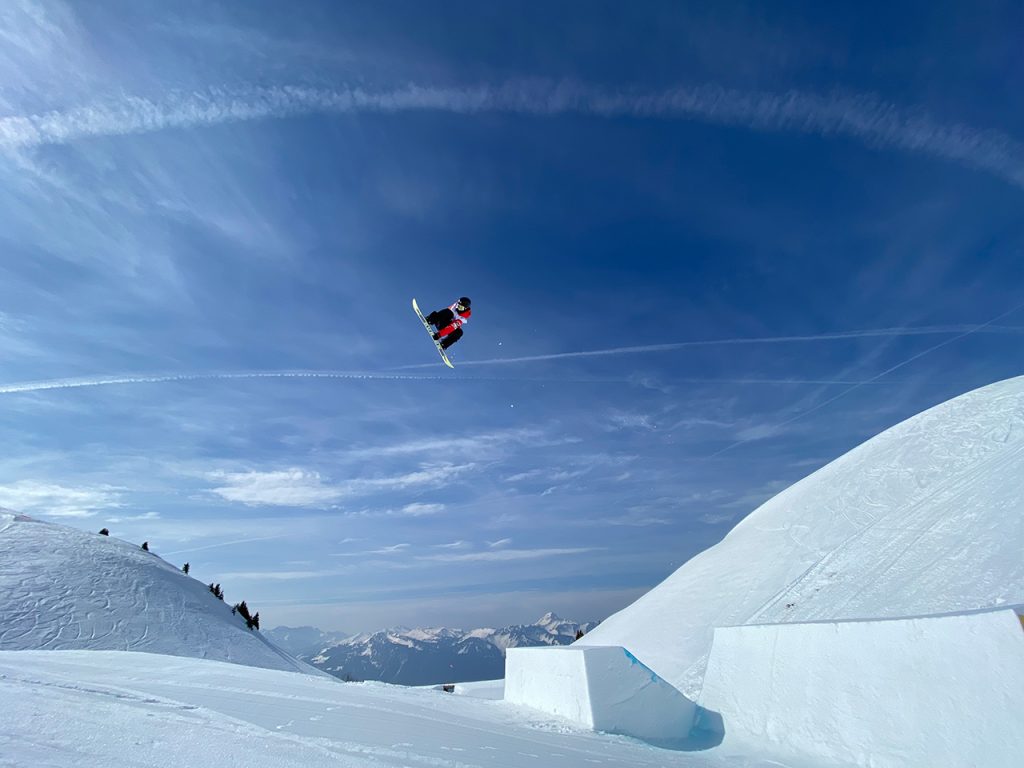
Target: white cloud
421	510
224	544
392	549
302	488
507	554
635	520
289	487
453	545
625	420
485	444
134	518
282	575
499	543
546	475
714	518
104	381
757	432
54	500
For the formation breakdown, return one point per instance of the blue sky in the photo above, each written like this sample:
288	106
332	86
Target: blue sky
710	247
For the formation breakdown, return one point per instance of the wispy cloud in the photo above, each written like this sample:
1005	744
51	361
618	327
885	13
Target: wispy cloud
134	518
416	509
507	554
545	475
617	420
106	381
392	549
420	510
861	116
454	545
288	487
483	444
55	500
283	575
231	543
300	488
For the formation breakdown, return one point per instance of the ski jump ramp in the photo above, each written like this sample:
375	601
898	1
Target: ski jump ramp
601	687
943	690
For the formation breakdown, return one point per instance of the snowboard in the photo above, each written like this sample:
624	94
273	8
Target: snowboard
430	332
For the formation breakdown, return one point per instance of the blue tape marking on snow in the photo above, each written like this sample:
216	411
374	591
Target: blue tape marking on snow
634	660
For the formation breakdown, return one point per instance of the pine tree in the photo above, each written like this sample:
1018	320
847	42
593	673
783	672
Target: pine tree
145	545
185	568
579	633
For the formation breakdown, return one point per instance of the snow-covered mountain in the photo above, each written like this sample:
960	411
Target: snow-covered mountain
433	655
64	589
927	517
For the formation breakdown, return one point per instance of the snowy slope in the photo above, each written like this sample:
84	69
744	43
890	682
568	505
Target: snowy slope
61	589
927	517
96	709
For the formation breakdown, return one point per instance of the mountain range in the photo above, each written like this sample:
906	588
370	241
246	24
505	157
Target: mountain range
422	656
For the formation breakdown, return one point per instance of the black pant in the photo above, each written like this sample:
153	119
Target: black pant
441	318
451	338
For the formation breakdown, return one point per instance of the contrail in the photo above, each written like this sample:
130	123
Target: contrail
222	544
108	381
864	117
105	381
933	330
968	331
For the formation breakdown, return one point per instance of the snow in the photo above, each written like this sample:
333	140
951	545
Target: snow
96	709
945	690
64	589
602	688
927	517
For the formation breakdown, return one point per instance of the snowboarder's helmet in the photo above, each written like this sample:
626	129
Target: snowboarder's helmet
464	302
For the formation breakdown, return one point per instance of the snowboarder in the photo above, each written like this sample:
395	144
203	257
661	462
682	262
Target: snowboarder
448	322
